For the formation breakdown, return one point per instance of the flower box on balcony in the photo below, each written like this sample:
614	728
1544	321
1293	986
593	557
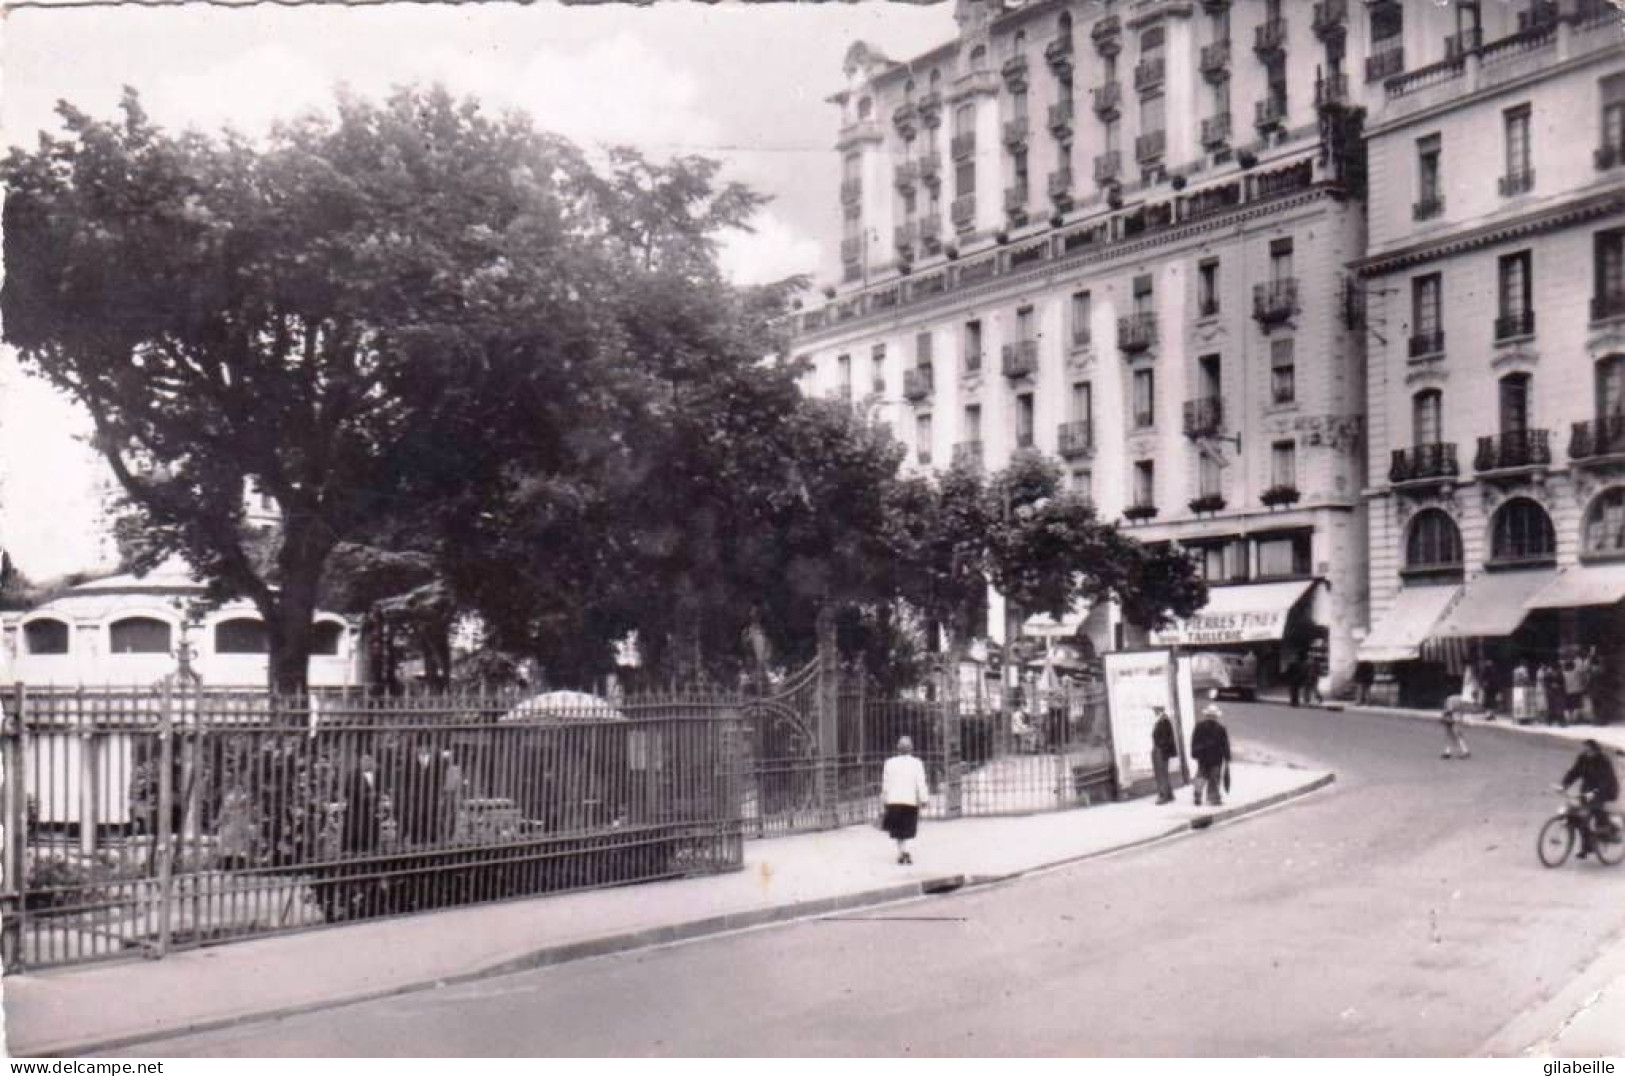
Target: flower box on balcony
1214	62
1270	37
1139	513
1208	502
1275	301
1279	496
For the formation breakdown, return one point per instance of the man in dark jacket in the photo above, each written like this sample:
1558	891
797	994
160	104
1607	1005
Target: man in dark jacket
1599	786
1164	748
361	808
1210	746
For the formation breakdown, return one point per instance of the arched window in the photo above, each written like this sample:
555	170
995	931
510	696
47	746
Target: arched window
936	77
139	635
241	635
1063	26
978	57
908	88
325	636
1019	42
1604	530
46	635
865	107
1434	542
1522	530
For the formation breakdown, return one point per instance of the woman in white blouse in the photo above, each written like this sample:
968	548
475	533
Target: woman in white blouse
904	790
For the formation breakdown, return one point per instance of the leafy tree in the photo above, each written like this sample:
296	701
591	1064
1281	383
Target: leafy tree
362	313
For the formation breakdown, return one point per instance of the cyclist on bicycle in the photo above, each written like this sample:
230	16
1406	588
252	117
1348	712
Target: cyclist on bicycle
1599	786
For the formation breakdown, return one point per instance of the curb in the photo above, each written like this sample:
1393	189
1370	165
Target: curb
670	934
1534	732
1545	1023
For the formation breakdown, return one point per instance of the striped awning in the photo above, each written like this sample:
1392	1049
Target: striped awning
1399	635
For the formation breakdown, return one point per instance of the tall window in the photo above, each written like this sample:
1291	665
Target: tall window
1025	323
1144	298
922	437
1024	420
1207	476
1427	417
1210	376
978	58
1082	482
1426	296
1282	556
973	346
965	178
1280	259
1018	105
1284	463
1518	168
1613	113
1283	372
1207	287
1153	114
1145	399
1018	165
1081	307
1429	175
1608	259
1145	482
1514	392
1516	287
965	119
1082	401
1522	531
1433	541
851	168
1604	530
973	422
922	349
1611	387
843	375
1276	73
877	378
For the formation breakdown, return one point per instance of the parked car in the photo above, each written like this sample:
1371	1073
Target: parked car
1225	673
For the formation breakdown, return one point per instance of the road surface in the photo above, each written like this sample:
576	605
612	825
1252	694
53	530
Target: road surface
1401	911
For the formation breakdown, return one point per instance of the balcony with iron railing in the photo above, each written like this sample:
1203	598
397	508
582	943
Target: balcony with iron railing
1598	440
1150	72
1075	440
1458	45
1516	183
1151	145
1016	130
1216	130
1275	301
929	107
1060	116
1020	359
930	230
1332	90
1108	166
1519	323
1428	208
1058	52
1331	19
851	191
1107	99
905	117
851	250
1060	184
1385	63
903	237
1204	416
1426	345
1108	35
968	454
1015	199
919	383
1607	306
1136	332
905	175
1514	450
1015	68
856	133
930	169
963	211
963	145
1424	463
1269	37
1269	113
1214	61
1608	156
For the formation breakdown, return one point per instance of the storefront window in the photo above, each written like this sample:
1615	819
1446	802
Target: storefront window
1434	542
1605	523
1523	531
1283	556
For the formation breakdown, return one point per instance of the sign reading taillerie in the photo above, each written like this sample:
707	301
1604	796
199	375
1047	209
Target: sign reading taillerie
1209	628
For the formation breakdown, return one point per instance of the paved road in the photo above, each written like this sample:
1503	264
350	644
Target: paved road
1402	911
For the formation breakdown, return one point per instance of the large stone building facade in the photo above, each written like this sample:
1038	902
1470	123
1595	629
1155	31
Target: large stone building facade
1119	233
1494	289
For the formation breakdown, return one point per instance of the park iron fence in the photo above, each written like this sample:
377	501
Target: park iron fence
142	822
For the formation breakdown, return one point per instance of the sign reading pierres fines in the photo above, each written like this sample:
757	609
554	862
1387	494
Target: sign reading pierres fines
1209	628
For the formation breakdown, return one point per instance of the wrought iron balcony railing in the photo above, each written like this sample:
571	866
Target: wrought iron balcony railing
1385	63
1015	68
1608	305
1058	53
1136	332
1597	438
1015	199
930	169
1422	463
919	383
1608	156
1516	183
1427	208
968	454
1216	130
1270	112
1020	359
1108	166
1331	19
1060	116
1214	60
1060	184
1151	145
962	145
851	191
1425	344
851	250
903	237
1511	326
963	211
1270	37
1075	440
1107	35
1016	130
1150	72
1512	450
905	175
1204	416
1108	99
1275	301
1332	90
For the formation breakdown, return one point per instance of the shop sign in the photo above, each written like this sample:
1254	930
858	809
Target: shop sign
1207	629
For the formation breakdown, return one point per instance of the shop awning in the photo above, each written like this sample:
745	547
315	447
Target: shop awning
1044	626
1588	584
1398	636
1255	613
1493	605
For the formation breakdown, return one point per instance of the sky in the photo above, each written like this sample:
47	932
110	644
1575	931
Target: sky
746	83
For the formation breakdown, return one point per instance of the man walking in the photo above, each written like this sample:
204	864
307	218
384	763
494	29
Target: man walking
1163	749
904	790
1210	746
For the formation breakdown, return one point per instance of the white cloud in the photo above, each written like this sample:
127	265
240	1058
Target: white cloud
772	252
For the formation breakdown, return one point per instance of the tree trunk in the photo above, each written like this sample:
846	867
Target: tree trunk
291	613
829	731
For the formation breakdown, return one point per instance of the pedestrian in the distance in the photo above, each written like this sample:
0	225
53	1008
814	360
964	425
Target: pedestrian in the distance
1451	719
1312	673
904	790
1365	674
1164	747
1522	711
1294	679
1472	692
1489	681
1210	747
1552	689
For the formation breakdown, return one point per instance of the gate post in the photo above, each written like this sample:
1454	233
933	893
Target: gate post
829	690
952	741
15	806
166	822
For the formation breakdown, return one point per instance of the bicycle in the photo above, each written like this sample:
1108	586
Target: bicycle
1560	832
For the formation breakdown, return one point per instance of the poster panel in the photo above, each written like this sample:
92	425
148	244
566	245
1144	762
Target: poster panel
1137	682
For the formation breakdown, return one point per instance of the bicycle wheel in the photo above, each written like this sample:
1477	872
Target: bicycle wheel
1556	841
1611	849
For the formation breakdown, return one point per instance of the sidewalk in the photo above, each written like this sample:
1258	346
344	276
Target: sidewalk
102	1007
